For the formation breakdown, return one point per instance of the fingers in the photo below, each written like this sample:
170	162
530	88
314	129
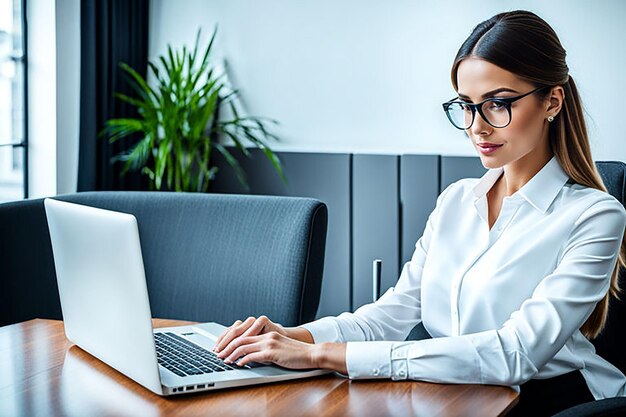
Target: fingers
269	347
248	345
229	349
257	327
243	347
250	327
221	337
259	357
232	351
234	331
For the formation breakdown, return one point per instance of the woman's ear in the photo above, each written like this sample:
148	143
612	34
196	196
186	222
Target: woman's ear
554	101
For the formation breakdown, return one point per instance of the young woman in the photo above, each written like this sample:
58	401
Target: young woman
514	270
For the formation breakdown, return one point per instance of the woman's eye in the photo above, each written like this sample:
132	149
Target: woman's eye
494	105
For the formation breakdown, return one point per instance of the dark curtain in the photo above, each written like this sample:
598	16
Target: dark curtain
112	31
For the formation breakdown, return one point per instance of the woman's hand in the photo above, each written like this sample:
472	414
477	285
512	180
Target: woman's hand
250	327
272	347
261	340
256	326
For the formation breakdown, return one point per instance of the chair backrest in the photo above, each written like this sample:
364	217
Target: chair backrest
611	343
208	257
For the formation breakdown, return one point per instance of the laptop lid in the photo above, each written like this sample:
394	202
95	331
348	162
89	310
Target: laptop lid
102	287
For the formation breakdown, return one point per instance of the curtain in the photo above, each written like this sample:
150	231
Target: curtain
112	31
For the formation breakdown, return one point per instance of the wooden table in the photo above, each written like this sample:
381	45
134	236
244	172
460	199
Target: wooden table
42	373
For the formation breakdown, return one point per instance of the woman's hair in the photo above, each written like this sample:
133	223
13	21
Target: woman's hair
524	44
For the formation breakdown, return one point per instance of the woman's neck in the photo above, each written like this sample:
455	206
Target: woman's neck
518	173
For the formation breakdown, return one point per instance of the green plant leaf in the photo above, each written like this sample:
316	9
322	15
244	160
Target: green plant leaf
237	142
179	124
140	84
234	164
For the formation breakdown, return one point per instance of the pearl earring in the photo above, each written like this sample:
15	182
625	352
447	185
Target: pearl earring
550	118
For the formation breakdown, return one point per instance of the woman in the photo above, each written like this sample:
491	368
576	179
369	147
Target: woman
513	273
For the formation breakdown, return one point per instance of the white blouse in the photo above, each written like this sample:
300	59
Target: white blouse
503	305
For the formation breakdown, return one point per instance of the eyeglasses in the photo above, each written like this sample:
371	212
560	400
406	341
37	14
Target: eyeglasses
495	111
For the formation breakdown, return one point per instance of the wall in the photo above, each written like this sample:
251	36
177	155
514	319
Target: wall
370	76
41	97
68	93
352	76
53	94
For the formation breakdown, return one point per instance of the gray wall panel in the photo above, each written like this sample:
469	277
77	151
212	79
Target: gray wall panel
454	168
375	217
322	176
419	188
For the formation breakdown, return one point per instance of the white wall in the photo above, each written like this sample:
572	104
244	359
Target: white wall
41	98
68	93
369	76
53	94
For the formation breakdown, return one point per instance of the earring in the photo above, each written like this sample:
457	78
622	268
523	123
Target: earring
550	118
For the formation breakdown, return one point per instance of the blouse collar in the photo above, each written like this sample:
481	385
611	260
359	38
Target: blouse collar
540	191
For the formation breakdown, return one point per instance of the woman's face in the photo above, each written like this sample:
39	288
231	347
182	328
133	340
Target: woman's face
526	137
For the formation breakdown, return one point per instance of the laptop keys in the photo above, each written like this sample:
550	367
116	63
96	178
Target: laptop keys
184	358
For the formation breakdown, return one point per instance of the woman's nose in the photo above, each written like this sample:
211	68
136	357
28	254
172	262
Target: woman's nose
480	126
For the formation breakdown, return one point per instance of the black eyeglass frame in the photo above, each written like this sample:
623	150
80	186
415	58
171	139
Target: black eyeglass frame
506	101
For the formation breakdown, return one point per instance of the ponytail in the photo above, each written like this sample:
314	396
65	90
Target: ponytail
570	143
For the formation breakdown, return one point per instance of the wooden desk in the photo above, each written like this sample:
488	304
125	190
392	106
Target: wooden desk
42	373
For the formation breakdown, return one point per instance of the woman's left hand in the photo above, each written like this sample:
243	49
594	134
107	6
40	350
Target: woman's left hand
270	347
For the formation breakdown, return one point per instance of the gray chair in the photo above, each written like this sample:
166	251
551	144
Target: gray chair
208	257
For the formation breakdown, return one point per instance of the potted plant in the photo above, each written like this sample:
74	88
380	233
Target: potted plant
179	125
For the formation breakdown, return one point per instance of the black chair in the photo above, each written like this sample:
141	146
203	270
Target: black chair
208	257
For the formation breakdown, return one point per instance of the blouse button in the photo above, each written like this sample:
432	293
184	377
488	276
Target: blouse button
401	372
375	371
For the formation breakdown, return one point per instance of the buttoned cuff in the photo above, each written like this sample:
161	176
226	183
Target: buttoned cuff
368	359
400	360
323	330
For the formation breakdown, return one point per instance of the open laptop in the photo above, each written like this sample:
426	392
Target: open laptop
106	311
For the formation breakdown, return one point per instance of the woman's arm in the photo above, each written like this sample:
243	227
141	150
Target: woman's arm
397	311
331	356
532	335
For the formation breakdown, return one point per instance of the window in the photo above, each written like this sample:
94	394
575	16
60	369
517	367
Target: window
13	138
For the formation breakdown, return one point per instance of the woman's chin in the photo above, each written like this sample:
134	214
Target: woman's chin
489	162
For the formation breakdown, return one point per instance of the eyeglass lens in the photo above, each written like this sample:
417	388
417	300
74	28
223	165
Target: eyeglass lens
496	113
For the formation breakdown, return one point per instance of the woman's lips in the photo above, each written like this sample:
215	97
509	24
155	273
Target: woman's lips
488	148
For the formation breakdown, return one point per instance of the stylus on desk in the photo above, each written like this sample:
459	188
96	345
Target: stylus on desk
377	267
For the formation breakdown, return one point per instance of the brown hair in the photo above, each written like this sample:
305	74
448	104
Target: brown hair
523	43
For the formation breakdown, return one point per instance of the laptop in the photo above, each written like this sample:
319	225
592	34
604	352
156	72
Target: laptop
106	310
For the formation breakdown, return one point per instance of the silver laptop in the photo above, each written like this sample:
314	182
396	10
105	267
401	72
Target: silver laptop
106	312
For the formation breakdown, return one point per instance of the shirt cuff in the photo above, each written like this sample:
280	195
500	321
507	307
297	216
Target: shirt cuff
323	330
369	359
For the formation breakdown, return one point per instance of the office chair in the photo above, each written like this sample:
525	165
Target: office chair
208	257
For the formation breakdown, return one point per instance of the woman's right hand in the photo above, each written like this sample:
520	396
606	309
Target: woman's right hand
256	326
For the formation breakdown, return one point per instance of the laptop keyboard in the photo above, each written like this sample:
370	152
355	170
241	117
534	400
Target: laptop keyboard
185	358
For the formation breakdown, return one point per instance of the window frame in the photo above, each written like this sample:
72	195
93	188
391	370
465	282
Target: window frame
23	58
